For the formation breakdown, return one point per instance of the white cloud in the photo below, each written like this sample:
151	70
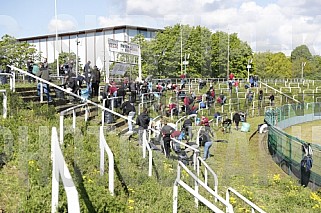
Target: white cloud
65	23
9	23
278	25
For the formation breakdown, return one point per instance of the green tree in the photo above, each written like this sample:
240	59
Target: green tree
299	57
16	53
239	54
272	65
65	58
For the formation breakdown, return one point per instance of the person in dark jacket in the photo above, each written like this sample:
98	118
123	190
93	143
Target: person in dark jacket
127	107
133	91
143	122
121	93
206	141
44	74
236	120
166	132
187	127
95	80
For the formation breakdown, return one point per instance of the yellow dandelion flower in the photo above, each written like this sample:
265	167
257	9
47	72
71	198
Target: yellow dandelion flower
131	201
232	200
276	178
130	207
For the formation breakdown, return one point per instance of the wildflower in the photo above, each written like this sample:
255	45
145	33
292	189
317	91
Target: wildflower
276	178
232	200
130	207
131	201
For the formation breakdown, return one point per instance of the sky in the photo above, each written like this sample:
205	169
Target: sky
275	25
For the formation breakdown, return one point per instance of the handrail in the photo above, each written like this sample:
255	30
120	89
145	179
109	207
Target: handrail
206	169
12	80
59	167
61	119
4	103
199	197
103	146
150	153
68	92
179	121
198	135
254	207
279	92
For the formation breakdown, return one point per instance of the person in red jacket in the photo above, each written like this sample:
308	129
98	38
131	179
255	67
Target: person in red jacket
231	76
204	121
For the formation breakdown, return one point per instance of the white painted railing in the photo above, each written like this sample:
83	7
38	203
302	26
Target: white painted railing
150	153
59	168
103	146
195	193
207	169
12	80
67	92
198	135
73	109
182	119
278	91
4	103
248	202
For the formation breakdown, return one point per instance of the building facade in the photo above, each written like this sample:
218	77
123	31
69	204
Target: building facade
89	45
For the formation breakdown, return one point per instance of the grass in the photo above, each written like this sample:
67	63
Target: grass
241	163
310	131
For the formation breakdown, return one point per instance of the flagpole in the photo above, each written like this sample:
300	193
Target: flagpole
181	49
56	18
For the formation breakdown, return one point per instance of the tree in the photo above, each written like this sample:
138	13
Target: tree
239	54
16	53
272	65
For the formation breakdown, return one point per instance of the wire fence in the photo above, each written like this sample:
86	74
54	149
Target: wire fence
286	149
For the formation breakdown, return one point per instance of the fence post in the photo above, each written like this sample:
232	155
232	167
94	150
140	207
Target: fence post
4	104
175	189
144	143
41	92
61	129
74	119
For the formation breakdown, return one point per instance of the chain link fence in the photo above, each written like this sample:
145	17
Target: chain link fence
287	150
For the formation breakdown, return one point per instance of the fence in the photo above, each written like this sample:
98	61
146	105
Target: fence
59	167
195	193
12	80
286	149
73	109
103	146
248	202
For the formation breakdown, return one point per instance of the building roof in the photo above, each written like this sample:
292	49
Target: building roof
90	31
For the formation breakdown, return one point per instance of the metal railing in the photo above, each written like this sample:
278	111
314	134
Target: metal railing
73	109
59	167
179	121
150	153
67	92
247	201
12	80
195	193
207	169
4	103
103	146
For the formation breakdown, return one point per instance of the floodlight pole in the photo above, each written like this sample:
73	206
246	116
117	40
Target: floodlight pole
56	18
302	68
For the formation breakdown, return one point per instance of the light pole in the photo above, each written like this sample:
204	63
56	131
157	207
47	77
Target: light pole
302	68
77	42
248	69
185	62
56	18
